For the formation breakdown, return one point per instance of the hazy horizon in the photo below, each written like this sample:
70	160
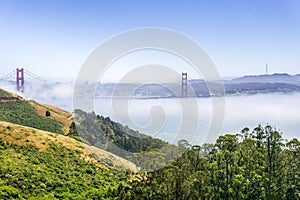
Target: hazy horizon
54	38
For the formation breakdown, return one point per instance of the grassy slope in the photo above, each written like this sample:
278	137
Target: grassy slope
21	112
32	114
37	164
25	136
4	94
57	173
57	114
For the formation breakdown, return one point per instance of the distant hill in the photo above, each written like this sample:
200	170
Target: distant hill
252	84
273	78
260	87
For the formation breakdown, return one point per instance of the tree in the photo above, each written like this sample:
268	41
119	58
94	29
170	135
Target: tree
48	113
292	166
73	130
250	165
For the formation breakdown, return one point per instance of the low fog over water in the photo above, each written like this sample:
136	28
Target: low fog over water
164	118
279	110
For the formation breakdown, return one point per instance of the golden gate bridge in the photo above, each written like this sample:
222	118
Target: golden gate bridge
19	74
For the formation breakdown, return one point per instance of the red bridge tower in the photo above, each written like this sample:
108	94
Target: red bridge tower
20	79
184	85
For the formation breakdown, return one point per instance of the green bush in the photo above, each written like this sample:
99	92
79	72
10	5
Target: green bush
48	113
9	192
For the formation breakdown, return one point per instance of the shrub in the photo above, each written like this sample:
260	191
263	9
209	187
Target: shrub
8	192
48	113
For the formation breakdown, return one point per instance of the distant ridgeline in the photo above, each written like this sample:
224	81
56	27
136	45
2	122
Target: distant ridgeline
283	83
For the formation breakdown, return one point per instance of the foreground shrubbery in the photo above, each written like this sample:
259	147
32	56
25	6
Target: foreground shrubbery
256	164
57	173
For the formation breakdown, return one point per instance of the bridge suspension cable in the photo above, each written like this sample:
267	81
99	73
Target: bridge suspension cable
7	76
34	76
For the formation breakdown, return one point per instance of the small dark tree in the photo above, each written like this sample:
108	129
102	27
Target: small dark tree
48	113
73	130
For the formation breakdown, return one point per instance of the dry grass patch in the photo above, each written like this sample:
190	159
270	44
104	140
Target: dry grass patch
57	114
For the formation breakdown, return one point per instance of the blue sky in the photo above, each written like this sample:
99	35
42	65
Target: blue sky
53	38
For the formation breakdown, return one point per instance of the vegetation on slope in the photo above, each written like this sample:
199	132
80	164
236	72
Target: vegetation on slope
57	173
5	94
145	152
104	133
37	164
251	165
55	113
25	136
22	113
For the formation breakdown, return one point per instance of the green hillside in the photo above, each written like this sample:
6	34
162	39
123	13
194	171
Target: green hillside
53	166
102	131
22	113
145	152
5	94
56	173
